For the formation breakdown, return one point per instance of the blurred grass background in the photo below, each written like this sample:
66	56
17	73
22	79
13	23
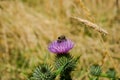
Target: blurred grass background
28	26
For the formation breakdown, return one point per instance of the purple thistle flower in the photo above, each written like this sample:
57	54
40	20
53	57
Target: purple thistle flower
61	46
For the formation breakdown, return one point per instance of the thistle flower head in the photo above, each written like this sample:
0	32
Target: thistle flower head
61	46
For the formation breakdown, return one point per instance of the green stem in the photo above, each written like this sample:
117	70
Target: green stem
66	76
105	75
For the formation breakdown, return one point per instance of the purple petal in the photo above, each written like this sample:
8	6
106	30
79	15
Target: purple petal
62	47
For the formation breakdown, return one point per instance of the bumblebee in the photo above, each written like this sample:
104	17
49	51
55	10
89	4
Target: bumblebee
61	38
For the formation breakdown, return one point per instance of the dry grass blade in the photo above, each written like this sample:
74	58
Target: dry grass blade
91	25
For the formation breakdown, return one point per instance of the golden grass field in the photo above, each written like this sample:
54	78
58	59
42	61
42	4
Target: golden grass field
28	26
